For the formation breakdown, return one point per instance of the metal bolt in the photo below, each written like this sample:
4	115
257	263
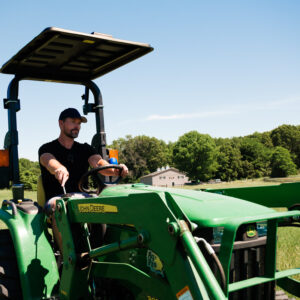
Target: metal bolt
143	237
140	238
173	228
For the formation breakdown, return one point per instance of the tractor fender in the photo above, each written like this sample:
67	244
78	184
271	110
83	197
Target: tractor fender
35	258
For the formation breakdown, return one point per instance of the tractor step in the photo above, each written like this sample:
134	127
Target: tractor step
281	295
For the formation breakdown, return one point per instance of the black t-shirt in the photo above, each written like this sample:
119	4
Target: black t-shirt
74	159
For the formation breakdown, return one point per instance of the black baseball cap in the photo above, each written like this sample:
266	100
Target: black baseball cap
72	113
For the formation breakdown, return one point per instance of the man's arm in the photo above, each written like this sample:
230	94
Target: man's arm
60	172
96	161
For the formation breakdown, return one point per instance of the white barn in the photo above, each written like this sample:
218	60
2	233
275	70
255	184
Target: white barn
165	177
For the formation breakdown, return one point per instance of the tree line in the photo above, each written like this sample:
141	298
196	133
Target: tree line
274	153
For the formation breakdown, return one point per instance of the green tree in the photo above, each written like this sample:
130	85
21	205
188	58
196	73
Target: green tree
29	173
196	155
282	163
229	160
170	147
255	157
264	138
141	154
288	136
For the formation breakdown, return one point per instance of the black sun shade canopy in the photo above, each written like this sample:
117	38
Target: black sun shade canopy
68	56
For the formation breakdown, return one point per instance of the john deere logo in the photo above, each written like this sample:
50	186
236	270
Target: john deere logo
97	208
251	231
154	263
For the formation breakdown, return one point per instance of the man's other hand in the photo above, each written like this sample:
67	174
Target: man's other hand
124	171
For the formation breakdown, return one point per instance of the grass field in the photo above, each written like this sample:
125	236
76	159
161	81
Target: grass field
244	183
288	254
7	194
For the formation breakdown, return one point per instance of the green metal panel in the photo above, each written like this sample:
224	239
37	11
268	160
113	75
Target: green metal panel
283	195
36	262
151	286
200	207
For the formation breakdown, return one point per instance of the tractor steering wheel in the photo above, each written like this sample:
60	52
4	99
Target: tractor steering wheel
100	183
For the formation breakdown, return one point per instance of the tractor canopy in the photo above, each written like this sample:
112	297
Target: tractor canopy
68	56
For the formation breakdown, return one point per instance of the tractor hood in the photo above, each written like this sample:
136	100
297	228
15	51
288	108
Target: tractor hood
200	207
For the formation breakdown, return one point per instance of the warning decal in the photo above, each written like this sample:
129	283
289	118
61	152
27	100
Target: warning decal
184	294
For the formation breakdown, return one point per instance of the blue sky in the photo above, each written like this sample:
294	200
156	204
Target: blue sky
226	68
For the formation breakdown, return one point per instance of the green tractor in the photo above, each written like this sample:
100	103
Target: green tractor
160	243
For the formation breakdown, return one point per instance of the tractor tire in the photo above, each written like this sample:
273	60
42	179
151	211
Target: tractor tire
10	285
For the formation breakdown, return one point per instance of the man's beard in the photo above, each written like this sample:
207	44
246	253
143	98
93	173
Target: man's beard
73	134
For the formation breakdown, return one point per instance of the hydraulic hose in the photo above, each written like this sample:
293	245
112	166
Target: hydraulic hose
213	287
211	252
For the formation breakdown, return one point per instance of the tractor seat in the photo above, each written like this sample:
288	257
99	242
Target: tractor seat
41	197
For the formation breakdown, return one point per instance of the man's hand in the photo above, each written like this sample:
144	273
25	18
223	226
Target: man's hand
97	161
62	175
55	167
123	172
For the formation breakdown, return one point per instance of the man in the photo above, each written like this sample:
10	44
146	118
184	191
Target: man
63	161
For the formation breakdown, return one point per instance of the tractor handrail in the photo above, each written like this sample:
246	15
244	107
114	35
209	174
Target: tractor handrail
13	206
263	279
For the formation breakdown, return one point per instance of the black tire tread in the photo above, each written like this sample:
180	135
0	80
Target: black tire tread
10	285
7	270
